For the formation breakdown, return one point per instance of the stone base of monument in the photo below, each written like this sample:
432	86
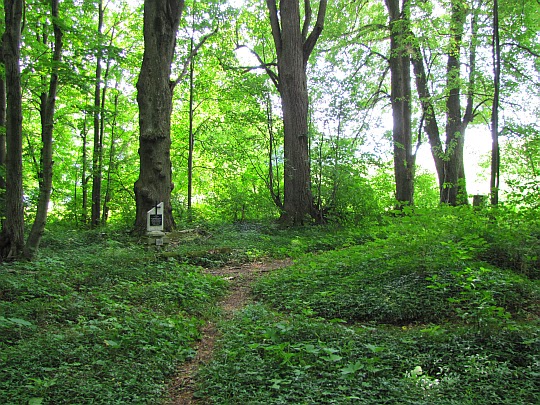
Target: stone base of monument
157	238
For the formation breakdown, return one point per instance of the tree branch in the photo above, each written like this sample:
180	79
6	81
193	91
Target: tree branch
310	42
263	65
307	19
191	55
274	23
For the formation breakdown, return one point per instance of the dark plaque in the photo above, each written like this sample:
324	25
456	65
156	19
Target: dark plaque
156	219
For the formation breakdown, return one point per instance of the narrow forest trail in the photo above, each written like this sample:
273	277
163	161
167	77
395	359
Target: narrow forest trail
182	387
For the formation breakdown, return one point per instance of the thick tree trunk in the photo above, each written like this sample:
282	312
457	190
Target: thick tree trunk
298	201
12	237
293	48
48	102
155	90
404	160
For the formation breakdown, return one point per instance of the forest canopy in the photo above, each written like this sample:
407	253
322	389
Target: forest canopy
308	111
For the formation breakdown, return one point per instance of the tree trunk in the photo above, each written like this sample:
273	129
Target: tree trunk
404	160
495	158
84	176
12	237
191	135
48	102
449	159
293	48
154	96
97	157
2	130
112	150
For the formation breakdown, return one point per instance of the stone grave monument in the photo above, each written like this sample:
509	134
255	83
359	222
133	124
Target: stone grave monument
154	226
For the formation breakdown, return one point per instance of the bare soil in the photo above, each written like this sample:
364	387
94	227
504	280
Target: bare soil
182	386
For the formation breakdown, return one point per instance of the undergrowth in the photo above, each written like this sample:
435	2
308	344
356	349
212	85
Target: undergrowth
97	320
422	314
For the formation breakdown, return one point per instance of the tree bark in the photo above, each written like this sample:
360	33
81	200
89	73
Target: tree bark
449	157
404	159
155	90
2	129
12	236
293	48
97	157
48	102
495	158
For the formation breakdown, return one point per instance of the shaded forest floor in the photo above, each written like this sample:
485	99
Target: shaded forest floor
240	279
436	307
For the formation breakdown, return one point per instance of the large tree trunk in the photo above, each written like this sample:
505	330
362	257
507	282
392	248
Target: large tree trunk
298	201
155	90
293	48
48	102
12	237
404	159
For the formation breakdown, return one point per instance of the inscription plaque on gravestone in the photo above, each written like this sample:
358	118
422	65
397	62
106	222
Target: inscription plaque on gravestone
154	218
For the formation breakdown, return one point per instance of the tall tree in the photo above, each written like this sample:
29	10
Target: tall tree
400	71
155	91
448	157
12	237
47	107
2	126
294	44
495	153
97	157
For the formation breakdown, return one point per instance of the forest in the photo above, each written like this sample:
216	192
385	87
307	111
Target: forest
350	194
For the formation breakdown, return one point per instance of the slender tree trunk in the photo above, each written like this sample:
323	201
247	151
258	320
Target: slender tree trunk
12	236
84	175
2	129
97	157
273	177
48	102
154	96
191	140
404	159
495	158
110	168
449	159
293	48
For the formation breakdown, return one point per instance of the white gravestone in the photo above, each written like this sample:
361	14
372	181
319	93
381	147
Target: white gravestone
154	219
154	226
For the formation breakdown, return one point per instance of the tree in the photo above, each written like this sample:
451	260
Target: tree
97	156
293	49
448	157
2	127
12	237
47	108
155	90
495	153
404	160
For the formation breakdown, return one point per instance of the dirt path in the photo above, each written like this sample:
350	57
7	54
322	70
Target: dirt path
181	389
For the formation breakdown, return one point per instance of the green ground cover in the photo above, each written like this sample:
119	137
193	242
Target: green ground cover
437	307
422	314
